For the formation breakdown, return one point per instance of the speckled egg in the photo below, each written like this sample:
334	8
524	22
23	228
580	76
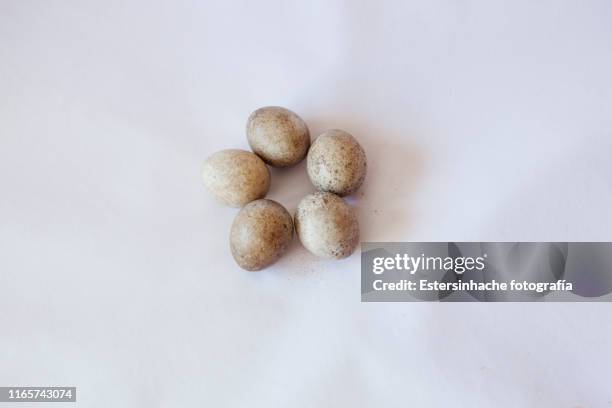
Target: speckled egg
260	234
336	163
278	136
236	177
326	225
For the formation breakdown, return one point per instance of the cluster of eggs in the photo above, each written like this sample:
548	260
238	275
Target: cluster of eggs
261	232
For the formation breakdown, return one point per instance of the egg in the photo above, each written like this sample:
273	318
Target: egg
260	234
336	163
326	225
236	177
277	135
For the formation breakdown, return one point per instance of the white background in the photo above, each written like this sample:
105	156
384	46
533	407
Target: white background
482	120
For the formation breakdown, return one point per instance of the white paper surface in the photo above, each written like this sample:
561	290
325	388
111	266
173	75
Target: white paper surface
482	120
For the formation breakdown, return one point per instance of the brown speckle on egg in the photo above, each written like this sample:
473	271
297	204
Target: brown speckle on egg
277	135
336	163
236	177
260	234
326	225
